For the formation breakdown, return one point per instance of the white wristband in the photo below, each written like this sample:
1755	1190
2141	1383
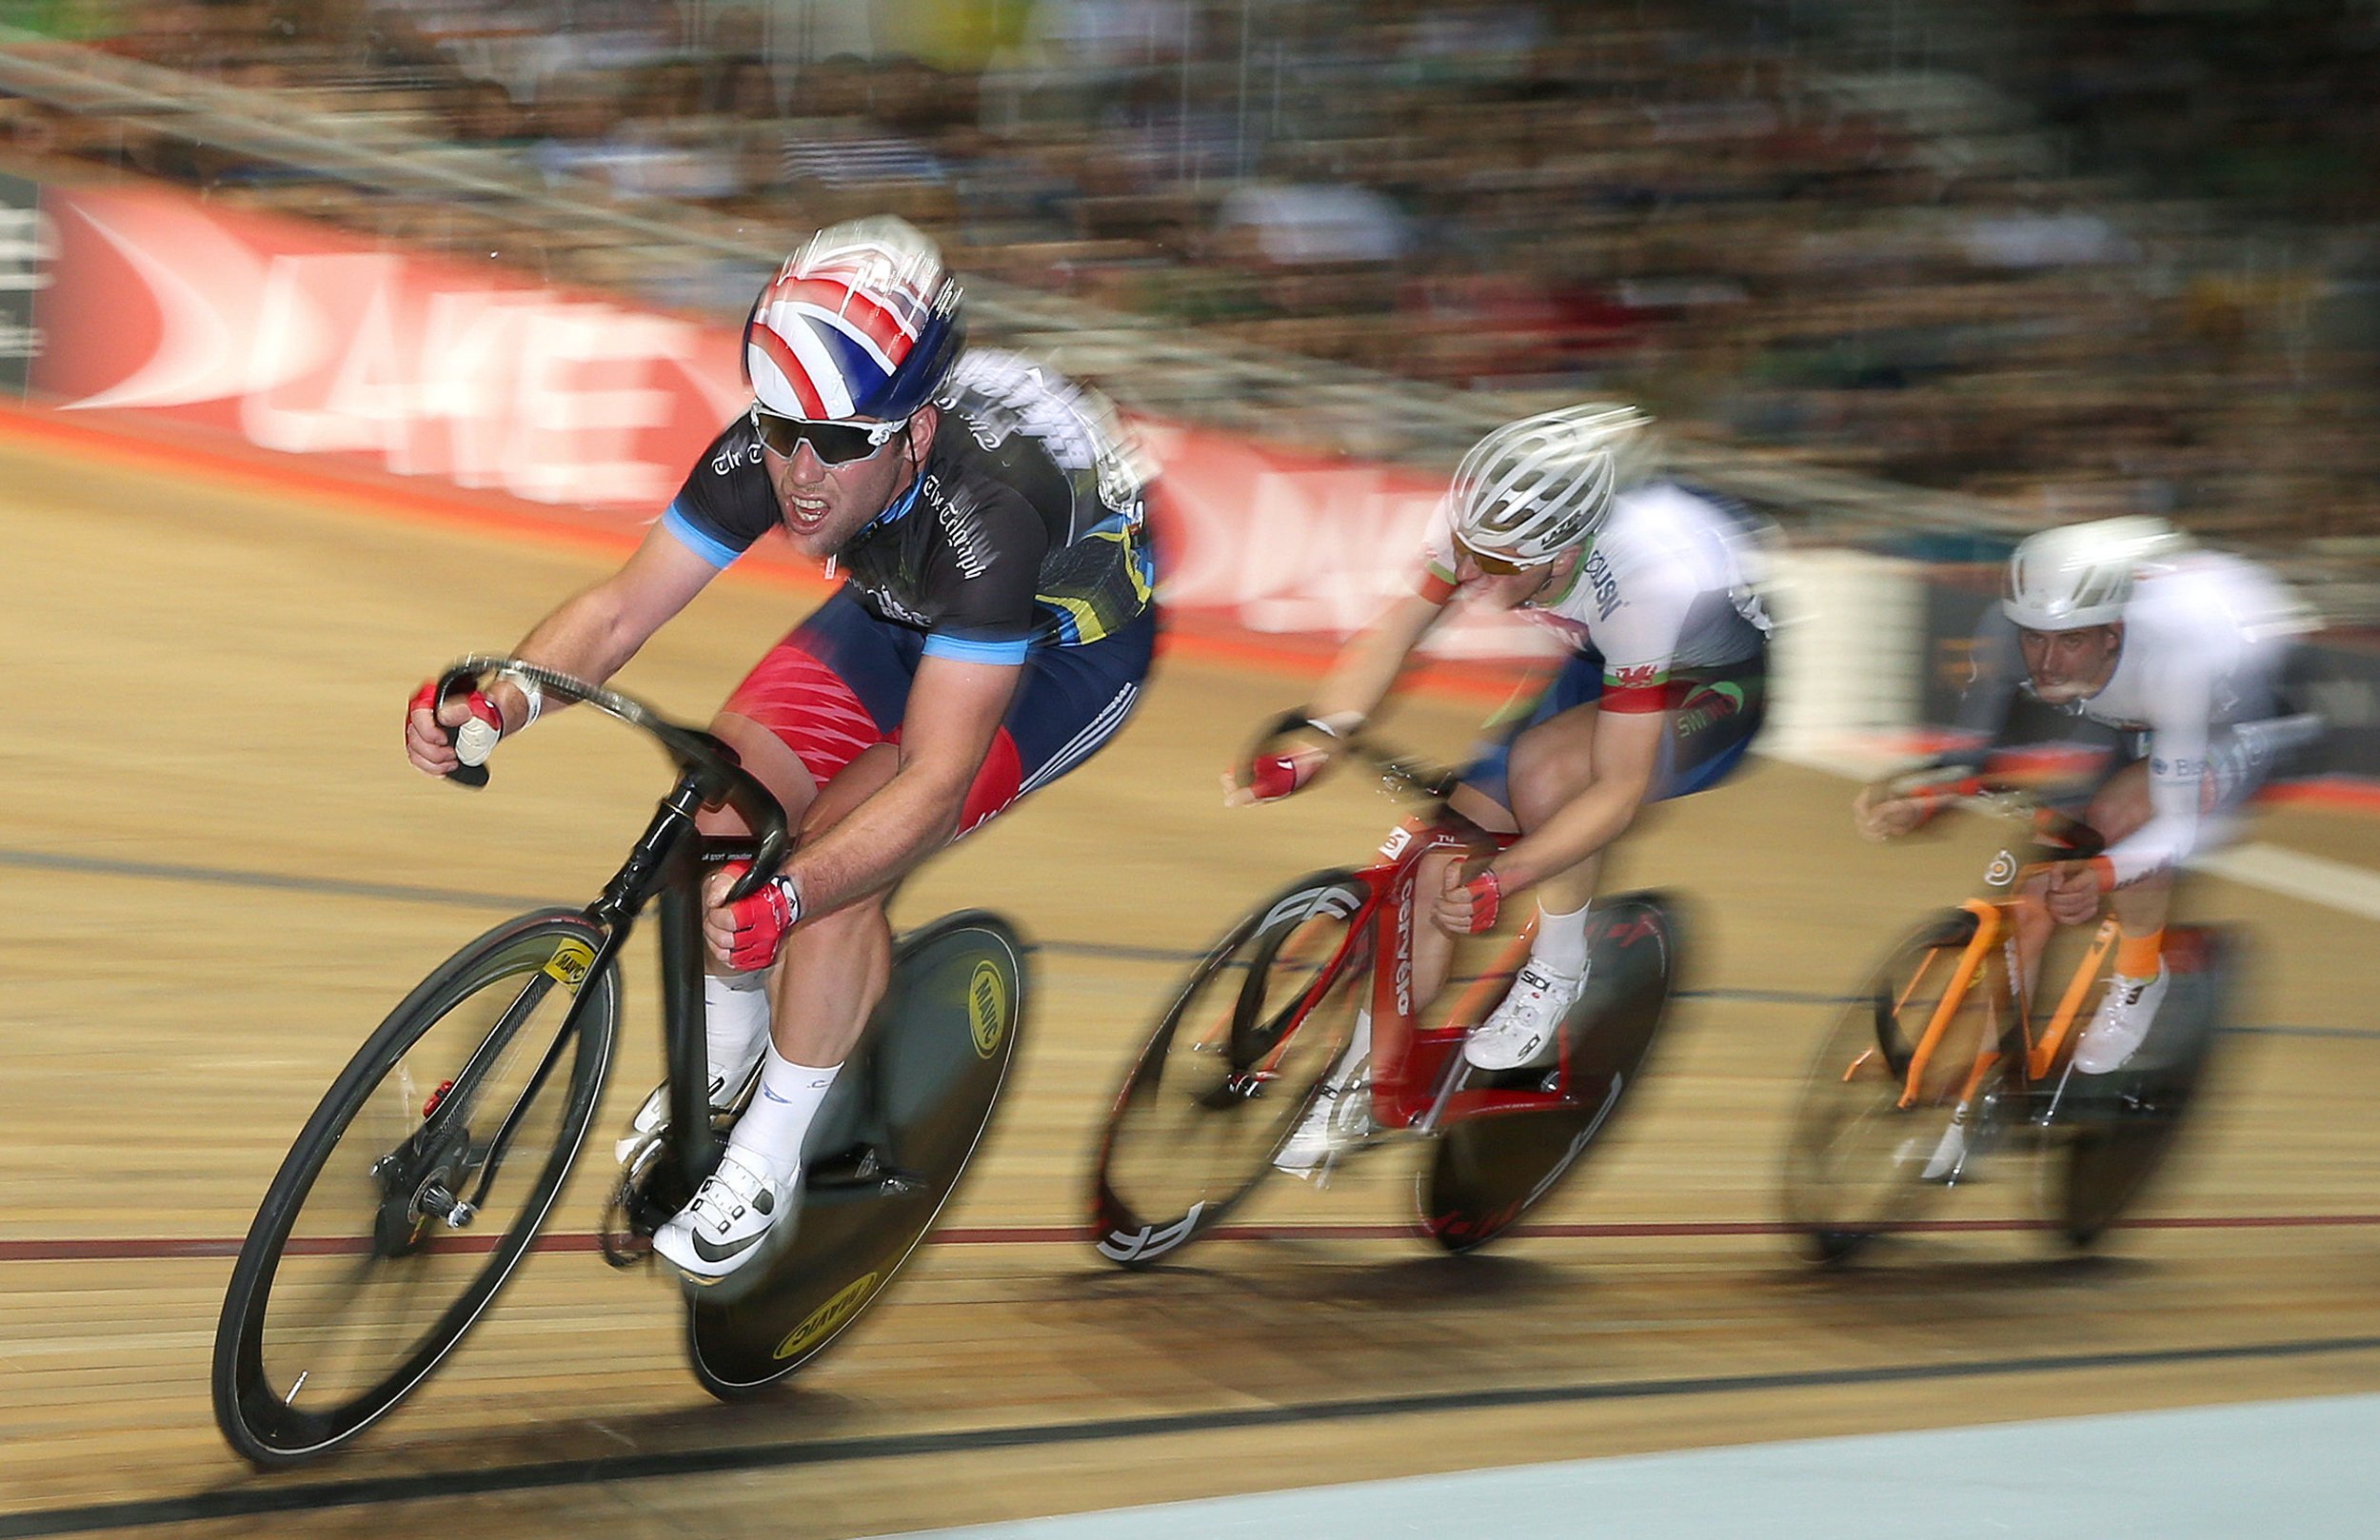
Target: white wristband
1343	724
530	691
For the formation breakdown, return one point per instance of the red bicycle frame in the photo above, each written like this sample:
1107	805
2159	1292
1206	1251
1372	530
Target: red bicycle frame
1417	1069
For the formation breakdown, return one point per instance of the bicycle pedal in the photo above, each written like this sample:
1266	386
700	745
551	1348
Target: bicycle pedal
861	1169
647	1194
623	1247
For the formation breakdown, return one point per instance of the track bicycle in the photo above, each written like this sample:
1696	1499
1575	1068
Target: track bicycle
420	1182
1240	1055
1947	1032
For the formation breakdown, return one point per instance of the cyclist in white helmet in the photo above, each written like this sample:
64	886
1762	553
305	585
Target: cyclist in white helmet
1566	517
2179	651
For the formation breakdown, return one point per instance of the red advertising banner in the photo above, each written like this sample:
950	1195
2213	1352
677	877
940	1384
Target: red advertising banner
301	339
304	340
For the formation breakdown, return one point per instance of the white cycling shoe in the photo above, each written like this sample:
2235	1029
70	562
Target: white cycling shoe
1339	1123
1949	1159
1522	1031
2121	1024
735	1215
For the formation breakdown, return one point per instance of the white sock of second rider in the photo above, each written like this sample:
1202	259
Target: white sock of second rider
1560	943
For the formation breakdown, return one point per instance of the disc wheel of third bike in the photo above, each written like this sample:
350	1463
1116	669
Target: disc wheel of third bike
2116	1138
1232	1066
415	1188
1862	1140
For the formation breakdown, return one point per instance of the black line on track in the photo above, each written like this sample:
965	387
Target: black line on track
243	1502
463	899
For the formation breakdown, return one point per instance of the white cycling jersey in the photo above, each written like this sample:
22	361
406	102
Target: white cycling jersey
2204	639
1669	584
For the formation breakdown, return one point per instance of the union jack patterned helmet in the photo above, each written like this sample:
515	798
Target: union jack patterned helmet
1533	488
863	321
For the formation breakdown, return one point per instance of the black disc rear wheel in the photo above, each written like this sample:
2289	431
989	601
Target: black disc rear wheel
1232	1065
1489	1170
886	1153
415	1188
2118	1137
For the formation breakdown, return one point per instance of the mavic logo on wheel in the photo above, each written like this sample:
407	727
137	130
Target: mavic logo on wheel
987	1009
819	1324
1149	1241
570	962
1337	902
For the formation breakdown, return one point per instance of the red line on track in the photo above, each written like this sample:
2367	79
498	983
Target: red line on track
148	1249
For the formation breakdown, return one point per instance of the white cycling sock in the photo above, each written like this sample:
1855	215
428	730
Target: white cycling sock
772	1128
1560	944
735	1022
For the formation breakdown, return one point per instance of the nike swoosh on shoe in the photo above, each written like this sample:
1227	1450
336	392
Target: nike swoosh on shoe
709	1252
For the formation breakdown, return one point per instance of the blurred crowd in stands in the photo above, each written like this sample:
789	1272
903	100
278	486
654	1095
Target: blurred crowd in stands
2080	256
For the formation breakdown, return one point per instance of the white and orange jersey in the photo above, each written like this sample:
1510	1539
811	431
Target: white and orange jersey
1669	585
2205	635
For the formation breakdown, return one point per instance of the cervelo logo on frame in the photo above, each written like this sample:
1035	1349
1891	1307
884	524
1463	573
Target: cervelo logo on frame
1308	902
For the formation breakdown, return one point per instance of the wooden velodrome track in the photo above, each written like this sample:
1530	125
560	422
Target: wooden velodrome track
216	872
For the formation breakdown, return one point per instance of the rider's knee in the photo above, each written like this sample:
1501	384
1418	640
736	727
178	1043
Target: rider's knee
2122	806
1546	776
770	761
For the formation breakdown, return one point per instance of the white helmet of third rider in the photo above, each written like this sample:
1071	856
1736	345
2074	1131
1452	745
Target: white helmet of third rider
2063	580
1535	488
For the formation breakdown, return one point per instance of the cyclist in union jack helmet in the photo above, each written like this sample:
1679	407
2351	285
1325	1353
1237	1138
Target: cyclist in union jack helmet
992	632
1567	517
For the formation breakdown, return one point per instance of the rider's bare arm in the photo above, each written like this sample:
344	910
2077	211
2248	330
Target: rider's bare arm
1627	754
954	709
588	636
1367	667
1359	681
593	633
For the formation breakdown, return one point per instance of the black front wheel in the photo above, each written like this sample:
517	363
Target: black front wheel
415	1188
1229	1069
1866	1151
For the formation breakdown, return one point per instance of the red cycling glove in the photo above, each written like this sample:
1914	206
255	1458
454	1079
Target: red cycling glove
762	920
1272	776
471	746
1487	900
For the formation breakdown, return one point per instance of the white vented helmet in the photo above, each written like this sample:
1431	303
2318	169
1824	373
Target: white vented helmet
1533	488
2063	580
